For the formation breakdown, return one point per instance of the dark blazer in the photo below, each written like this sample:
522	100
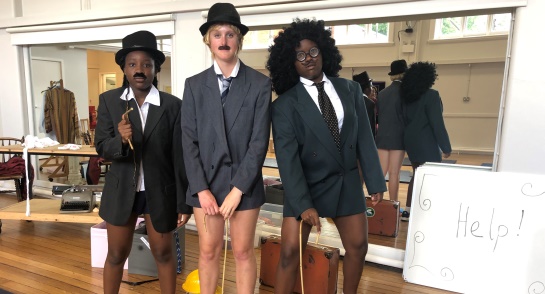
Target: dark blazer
391	126
313	172
226	146
425	130
370	106
159	148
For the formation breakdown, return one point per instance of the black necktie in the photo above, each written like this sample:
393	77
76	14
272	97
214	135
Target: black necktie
225	83
328	112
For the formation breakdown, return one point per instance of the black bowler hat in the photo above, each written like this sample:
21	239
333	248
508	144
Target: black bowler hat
363	79
140	41
223	13
397	67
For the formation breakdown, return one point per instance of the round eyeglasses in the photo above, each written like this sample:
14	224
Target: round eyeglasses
301	55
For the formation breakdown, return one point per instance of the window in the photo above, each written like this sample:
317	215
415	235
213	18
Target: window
259	39
361	33
472	26
344	35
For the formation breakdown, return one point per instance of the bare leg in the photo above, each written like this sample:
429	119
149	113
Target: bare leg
210	247
119	247
353	232
161	248
243	225
394	166
384	157
286	272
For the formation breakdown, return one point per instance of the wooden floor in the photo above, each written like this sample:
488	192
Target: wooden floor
52	257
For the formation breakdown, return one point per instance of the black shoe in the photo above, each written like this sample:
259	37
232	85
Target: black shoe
405	216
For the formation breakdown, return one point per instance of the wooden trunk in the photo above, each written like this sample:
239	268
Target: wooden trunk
320	266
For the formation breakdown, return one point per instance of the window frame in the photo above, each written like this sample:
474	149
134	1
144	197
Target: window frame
388	42
489	34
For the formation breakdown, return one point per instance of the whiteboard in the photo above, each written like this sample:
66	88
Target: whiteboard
476	231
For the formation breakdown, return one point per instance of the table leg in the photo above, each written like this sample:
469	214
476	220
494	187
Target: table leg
74	175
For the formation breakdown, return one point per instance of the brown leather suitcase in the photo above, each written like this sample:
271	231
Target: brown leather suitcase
383	219
320	266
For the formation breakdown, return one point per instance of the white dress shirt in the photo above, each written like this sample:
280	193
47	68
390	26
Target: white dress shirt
151	98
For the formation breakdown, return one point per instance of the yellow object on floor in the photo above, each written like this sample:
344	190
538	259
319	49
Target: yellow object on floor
192	284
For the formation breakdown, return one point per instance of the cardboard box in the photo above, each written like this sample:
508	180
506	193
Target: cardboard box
141	260
99	246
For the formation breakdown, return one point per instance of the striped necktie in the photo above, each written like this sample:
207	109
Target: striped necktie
225	83
328	112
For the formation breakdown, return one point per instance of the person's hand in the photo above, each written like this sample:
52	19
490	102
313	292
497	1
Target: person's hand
208	202
446	155
373	94
231	203
182	219
124	128
311	217
376	198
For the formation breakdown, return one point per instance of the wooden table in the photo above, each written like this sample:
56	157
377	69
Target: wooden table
47	210
85	150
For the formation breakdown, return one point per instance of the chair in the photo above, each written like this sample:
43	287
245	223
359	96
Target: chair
8	172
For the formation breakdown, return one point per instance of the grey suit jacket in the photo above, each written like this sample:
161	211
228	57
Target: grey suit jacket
313	172
159	148
226	146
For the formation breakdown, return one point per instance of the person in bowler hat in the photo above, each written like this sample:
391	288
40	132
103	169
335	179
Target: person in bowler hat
369	97
138	131
321	135
225	135
389	140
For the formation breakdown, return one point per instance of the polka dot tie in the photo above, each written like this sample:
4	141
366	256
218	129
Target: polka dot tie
225	82
328	112
178	253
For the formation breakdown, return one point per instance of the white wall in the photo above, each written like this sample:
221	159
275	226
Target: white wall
13	121
523	139
189	54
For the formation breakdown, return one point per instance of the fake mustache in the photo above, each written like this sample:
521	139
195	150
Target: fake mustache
224	47
139	75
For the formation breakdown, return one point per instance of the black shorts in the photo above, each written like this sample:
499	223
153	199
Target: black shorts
140	205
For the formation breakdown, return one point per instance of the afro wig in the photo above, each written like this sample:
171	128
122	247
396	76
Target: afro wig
281	62
417	80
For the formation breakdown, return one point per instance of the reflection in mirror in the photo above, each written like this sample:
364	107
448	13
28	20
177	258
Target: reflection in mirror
86	70
470	64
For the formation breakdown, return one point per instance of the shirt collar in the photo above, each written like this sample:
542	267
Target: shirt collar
234	73
152	97
308	82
